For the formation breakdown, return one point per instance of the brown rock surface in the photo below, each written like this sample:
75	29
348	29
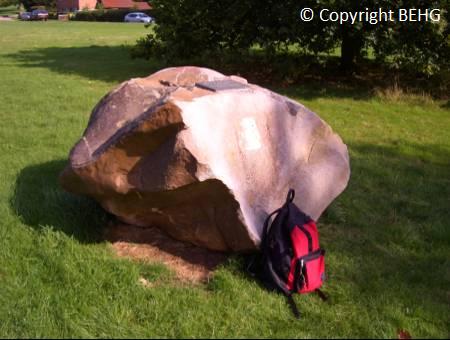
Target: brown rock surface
205	166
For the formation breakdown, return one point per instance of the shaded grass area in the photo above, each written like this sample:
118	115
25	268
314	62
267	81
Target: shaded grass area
387	236
293	68
104	63
37	192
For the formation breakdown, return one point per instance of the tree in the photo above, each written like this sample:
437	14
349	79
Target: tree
5	3
419	45
30	4
189	27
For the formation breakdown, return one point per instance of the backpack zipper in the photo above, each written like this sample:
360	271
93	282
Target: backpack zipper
308	236
313	255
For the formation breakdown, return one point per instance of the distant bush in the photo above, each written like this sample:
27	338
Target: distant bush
29	5
53	15
187	27
112	15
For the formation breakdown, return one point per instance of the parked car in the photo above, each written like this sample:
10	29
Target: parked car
25	16
39	14
138	17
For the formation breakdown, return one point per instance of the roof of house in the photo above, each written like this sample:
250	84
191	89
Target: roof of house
125	4
142	5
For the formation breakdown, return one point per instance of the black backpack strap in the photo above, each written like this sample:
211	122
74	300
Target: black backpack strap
276	279
322	295
293	306
290	196
266	228
289	199
265	249
263	243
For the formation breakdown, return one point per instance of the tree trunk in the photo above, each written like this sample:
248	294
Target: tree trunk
352	43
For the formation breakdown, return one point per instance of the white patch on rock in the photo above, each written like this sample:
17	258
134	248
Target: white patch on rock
249	135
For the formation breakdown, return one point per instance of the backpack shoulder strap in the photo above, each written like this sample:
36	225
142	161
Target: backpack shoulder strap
268	225
276	279
293	306
266	228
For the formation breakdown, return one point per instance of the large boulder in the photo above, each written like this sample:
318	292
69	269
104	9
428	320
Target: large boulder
205	157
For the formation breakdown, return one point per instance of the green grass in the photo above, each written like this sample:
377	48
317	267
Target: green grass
387	236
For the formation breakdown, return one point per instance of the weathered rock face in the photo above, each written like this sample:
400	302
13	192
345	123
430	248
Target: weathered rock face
206	165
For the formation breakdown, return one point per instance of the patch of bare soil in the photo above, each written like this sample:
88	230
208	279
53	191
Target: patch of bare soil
190	263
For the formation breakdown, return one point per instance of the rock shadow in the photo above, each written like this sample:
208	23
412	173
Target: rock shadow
42	204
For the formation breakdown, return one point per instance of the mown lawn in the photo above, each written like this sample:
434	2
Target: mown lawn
387	237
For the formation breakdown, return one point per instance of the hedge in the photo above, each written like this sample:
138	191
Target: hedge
112	15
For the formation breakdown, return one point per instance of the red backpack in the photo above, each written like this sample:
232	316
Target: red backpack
292	260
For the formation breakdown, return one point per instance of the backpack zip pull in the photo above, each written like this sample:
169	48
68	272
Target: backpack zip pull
302	270
302	276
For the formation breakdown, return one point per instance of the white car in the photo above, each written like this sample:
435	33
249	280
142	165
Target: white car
138	17
25	16
39	14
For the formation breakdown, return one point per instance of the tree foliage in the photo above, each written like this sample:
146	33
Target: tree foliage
31	4
189	27
5	3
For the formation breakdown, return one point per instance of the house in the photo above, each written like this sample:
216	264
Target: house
64	6
124	4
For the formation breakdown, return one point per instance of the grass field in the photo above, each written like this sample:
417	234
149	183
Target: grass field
387	236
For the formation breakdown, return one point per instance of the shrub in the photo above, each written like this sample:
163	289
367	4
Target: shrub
53	15
188	28
112	15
